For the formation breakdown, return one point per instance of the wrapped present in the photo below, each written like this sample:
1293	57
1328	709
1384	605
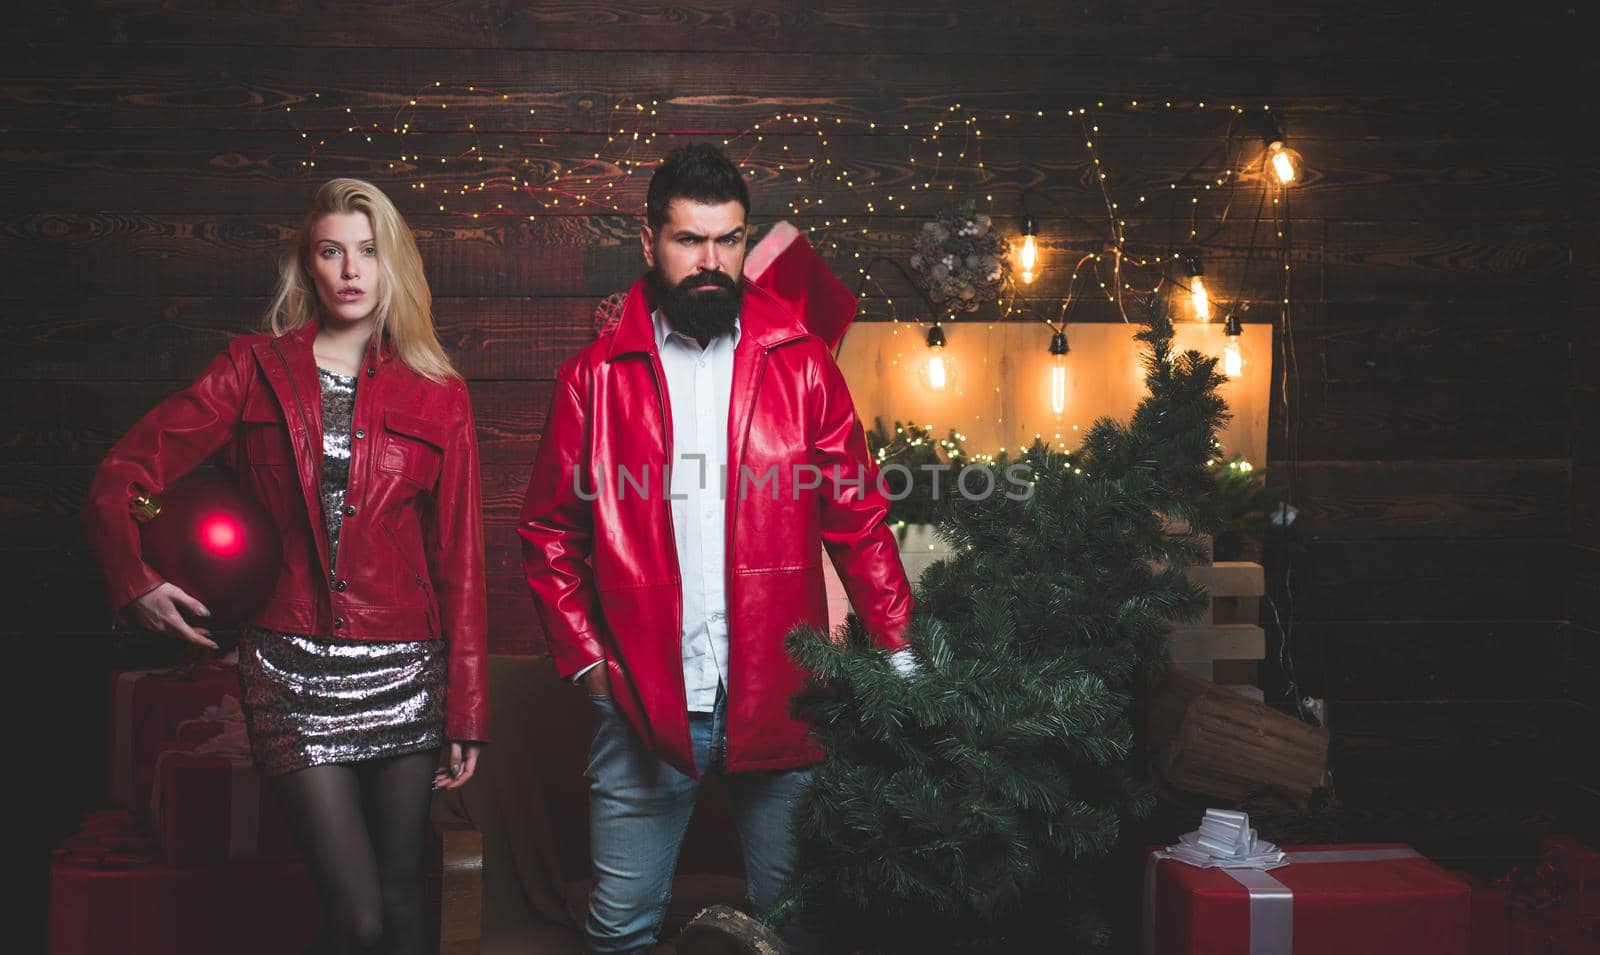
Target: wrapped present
1556	904
1324	900
146	708
1554	932
1575	867
1491	915
111	895
208	802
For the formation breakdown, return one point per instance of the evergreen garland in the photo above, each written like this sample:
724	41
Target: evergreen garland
971	807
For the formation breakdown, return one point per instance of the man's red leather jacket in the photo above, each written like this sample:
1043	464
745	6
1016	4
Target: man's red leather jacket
410	564
604	572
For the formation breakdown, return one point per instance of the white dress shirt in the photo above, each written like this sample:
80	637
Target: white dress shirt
699	383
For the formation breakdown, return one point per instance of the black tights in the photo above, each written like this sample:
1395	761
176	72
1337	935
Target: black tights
362	830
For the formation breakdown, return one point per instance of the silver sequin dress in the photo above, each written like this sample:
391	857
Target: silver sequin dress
311	700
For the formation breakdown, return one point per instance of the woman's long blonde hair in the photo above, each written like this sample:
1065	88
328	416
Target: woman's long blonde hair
405	306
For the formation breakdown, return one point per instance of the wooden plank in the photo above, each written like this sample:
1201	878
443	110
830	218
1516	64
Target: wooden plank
265	172
462	897
172	337
1582	677
550	255
596	255
1585	403
1410	421
1390	499
248	87
1380	342
78	422
1425	659
1237	674
1427	579
1379	261
1234	641
1028	28
1228	578
1236	610
1586	587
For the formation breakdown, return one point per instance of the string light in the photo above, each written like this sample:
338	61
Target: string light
1284	162
1058	373
1197	289
937	377
1028	256
1232	357
944	153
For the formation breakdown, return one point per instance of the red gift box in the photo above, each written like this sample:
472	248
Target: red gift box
117	897
1329	900
1554	932
1576	868
212	809
1491	915
146	707
208	802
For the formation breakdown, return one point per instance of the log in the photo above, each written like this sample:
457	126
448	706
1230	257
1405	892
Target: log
721	930
1215	742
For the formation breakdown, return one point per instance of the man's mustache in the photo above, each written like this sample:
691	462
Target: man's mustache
703	279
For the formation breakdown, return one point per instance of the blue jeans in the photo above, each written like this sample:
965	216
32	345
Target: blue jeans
639	808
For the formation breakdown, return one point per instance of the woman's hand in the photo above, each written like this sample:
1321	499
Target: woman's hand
158	611
463	761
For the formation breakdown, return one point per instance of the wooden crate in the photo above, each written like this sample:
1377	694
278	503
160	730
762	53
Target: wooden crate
1227	645
455	889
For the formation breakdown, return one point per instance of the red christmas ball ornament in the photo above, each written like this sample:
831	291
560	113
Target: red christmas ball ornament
216	542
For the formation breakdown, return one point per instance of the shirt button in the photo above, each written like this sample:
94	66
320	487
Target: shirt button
360	433
338	623
349	510
372	370
340	586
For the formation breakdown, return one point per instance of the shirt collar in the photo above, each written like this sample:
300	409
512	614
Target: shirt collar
664	330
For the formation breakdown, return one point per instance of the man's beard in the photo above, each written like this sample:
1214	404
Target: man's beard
702	315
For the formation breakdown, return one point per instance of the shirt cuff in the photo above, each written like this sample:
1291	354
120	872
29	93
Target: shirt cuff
577	678
904	663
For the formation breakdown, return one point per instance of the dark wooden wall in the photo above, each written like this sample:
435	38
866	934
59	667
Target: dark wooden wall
151	174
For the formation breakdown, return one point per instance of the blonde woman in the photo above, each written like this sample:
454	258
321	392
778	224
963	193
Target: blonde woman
348	422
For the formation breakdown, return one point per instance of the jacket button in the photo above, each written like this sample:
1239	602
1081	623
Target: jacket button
360	433
340	586
372	370
349	510
338	623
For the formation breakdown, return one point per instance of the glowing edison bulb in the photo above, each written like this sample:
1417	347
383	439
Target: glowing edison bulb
1058	373
937	376
1232	357
1197	289
1028	256
1284	161
1202	301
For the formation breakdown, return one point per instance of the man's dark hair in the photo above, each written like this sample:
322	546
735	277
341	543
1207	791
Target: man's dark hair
698	172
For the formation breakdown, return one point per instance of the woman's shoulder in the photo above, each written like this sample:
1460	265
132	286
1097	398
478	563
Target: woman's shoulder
247	341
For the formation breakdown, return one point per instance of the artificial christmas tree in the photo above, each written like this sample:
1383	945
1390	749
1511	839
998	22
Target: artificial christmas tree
972	806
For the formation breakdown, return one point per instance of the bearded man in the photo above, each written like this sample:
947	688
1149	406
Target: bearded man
697	460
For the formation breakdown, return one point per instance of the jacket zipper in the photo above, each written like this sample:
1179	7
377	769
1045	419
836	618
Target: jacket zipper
305	424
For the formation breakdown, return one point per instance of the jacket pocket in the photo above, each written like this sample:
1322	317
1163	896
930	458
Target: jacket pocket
413	447
431	600
264	434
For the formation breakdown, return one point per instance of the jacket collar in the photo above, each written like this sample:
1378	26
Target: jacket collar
763	321
302	339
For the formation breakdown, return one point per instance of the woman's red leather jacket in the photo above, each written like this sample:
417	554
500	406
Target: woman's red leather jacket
410	563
